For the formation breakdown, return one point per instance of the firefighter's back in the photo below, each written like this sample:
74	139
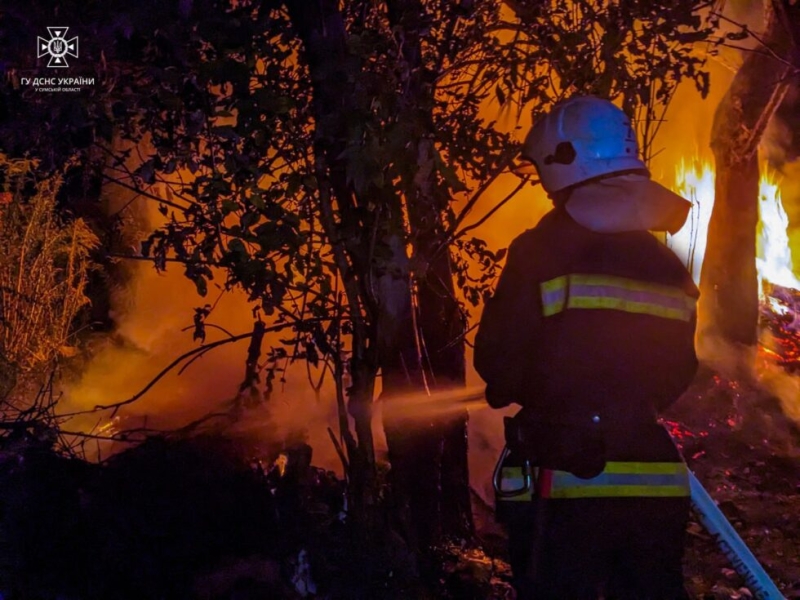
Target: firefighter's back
614	347
616	324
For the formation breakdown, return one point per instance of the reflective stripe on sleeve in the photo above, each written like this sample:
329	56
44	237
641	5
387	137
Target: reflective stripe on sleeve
584	291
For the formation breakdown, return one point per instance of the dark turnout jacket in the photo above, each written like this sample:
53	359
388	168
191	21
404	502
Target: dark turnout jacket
585	324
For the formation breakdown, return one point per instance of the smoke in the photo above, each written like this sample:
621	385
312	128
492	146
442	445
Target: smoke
153	315
767	396
780	144
784	386
780	149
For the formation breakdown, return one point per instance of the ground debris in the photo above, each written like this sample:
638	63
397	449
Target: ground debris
745	452
149	523
467	572
208	518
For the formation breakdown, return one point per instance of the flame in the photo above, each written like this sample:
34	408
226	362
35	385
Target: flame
694	181
775	263
779	287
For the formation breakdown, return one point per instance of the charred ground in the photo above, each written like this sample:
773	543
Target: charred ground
211	517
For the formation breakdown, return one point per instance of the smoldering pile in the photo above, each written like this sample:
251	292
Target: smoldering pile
779	321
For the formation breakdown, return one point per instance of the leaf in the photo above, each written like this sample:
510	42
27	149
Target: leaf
147	172
293	184
201	285
249	219
227	132
237	247
170	167
738	35
501	95
691	37
501	254
703	82
257	200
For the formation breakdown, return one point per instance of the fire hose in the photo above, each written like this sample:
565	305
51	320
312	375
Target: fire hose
710	516
731	545
707	511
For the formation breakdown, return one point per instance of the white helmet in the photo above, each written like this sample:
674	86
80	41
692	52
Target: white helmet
580	139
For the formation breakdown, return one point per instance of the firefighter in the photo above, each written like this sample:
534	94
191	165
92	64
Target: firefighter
591	330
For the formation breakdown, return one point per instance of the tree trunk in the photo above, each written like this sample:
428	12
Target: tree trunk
442	328
426	496
430	458
321	28
728	285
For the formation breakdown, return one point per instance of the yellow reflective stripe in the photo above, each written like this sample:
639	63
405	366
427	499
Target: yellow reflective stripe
624	479
655	468
554	295
620	491
627	284
646	308
585	291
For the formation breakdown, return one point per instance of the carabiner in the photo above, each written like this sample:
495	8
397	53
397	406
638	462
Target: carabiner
498	474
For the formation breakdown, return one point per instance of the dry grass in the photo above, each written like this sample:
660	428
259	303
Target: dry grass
44	266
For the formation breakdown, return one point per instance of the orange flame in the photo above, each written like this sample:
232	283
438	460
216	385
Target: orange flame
695	182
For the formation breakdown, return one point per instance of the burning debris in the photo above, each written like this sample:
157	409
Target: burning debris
736	435
779	288
779	320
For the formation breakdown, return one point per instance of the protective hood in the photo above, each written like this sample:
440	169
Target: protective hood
627	203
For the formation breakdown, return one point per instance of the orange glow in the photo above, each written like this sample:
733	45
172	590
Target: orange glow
775	261
779	288
694	180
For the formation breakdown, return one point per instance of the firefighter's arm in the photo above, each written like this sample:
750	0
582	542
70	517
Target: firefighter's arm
679	361
679	369
507	331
